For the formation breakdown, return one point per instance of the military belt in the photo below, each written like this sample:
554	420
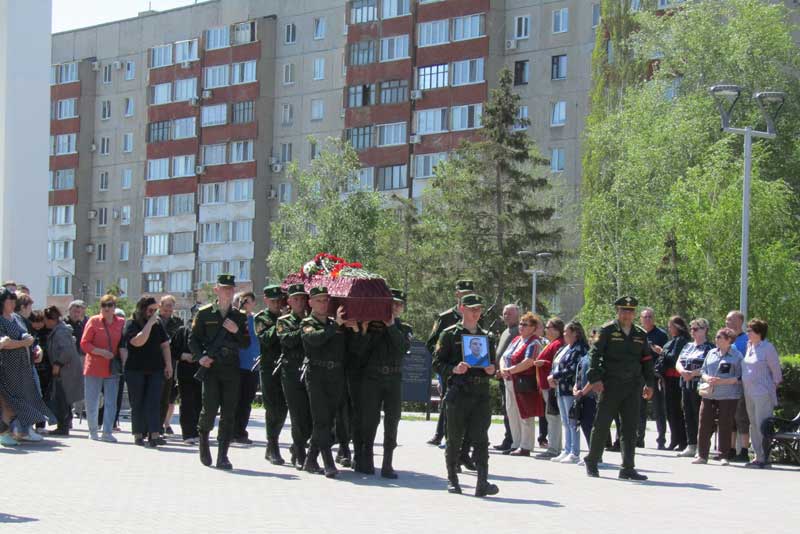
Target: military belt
477	379
387	370
326	364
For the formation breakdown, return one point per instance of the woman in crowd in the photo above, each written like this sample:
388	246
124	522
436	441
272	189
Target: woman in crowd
689	364
722	374
148	362
523	401
39	356
190	391
586	396
667	360
100	342
66	385
22	402
554	332
761	374
562	378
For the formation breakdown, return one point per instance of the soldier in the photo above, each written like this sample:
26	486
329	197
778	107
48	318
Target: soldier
468	401
387	344
294	390
621	360
271	390
218	332
325	345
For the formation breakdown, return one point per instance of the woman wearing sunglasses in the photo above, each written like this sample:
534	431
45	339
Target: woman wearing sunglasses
689	366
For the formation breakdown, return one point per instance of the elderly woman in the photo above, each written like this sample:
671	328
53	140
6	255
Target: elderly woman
562	378
761	374
554	332
689	366
722	372
100	342
667	360
67	372
22	403
523	402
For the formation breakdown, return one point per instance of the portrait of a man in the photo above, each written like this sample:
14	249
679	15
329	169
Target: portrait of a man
476	351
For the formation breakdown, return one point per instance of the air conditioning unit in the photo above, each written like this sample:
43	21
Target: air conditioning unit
186	65
342	113
91	214
207	94
272	194
511	44
200	169
194	101
273	160
115	214
95	66
415	139
416	94
89	248
93	147
277	167
117	65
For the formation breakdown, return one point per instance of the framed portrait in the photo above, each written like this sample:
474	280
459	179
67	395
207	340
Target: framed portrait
476	350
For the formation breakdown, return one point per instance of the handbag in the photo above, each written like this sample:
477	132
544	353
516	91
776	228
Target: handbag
552	402
116	363
576	410
524	383
705	389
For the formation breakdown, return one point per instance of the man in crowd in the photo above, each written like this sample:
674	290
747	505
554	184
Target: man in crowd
169	392
248	374
657	338
218	332
735	321
621	360
511	319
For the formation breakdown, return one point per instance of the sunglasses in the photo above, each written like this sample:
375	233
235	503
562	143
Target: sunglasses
525	324
108	305
695	328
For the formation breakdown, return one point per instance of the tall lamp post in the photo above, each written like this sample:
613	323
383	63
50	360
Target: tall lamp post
534	272
769	104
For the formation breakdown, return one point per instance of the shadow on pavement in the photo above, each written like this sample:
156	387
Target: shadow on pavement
493	476
11	518
47	445
511	500
251	473
407	479
682	485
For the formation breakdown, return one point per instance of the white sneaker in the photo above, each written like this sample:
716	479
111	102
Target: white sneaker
94	436
581	463
724	462
560	457
32	436
191	441
570	459
689	452
108	438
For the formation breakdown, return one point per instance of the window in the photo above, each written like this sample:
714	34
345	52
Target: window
466	117
361	95
522	27
130	70
364	180
241	151
125	215
58	285
360	138
288	73
183	242
561	20
394	8
290	34
62	179
103	181
284	192
287	114
214	232
209	270
180	281
129	107
182	204
394	91
212	193
240	269
183	166
185	89
424	164
68	72
213	115
319	68
67	109
127	142
392	134
522	72
240	190
286	152
242	230
127	178
99	285
161	56
161	94
156	245
123	286
244	32
468	71
468	27
243	112
431	121
559	115
313	150
362	53
105	110
156	206
186	51
218	37
522	122
216	76
558	69
106	74
158	169
60	250
392	177
319	28
154	282
214	154
184	128
557	160
158	132
66	144
61	215
102	217
393	48
596	12
636	5
363	11
317	109
124	251
433	33
244	72
105	146
433	77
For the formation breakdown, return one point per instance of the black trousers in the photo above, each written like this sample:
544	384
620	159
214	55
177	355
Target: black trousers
354	392
144	393
441	424
588	411
274	402
342	425
325	391
220	393
248	385
659	415
299	406
57	402
691	414
381	392
191	395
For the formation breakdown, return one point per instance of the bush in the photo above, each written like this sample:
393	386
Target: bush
789	390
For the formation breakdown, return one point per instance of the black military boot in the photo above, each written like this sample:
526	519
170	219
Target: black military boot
311	465
631	474
222	456
299	457
343	457
466	461
482	486
358	455
452	472
330	465
435	440
591	468
387	471
274	452
205	449
366	464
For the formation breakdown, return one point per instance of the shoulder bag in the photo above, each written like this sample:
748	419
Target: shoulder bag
116	362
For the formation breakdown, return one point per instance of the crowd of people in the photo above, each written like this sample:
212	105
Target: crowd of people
335	376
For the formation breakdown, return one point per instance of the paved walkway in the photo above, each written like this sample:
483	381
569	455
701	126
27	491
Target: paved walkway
74	485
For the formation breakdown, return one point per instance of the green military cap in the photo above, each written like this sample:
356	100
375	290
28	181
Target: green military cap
398	295
465	285
472	301
628	303
273	292
319	290
297	289
226	280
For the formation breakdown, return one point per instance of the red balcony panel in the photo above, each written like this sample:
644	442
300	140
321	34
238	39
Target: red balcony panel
453	96
363	32
65	90
391	70
383	156
232	54
65	126
445	141
447	53
446	10
229	132
381	114
233	93
233	171
397	26
67	161
175	72
174	186
63	197
180	147
176	110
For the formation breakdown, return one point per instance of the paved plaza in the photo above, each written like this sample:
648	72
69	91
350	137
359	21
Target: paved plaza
74	485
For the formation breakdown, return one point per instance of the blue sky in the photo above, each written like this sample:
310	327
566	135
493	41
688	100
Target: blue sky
71	14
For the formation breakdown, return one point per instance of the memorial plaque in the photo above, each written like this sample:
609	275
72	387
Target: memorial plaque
417	373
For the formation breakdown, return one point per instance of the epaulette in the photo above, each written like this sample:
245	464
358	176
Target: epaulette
447	312
451	327
206	307
609	323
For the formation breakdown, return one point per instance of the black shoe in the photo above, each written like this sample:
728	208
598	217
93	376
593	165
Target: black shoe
591	469
273	453
435	440
507	451
168	431
631	474
387	471
222	456
742	457
343	456
243	441
485	488
662	447
671	447
299	457
506	445
152	443
640	443
467	462
160	441
330	465
615	447
205	449
366	464
139	441
311	465
59	431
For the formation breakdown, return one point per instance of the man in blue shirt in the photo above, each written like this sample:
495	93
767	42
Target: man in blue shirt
735	321
248	383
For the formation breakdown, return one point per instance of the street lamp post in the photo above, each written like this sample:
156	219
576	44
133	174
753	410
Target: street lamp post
730	94
534	272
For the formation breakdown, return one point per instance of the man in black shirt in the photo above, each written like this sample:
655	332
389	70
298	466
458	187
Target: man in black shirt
657	339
